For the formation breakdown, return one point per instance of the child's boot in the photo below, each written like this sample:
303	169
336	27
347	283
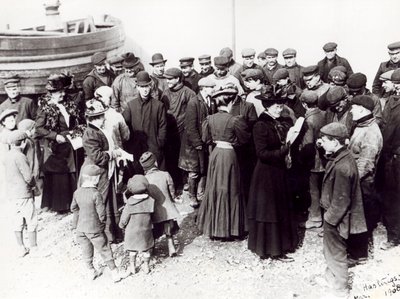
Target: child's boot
132	266
171	246
146	262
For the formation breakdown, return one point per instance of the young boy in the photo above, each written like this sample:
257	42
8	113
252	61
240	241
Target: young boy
341	199
162	189
20	182
89	221
136	220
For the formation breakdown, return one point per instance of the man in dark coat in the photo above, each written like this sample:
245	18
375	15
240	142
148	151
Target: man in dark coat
272	65
158	64
312	80
233	66
147	120
194	154
175	99
190	76
295	70
206	68
26	107
391	162
97	77
331	60
392	64
341	200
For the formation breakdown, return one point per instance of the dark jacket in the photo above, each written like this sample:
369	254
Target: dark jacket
296	75
391	130
26	108
192	81
239	72
147	122
93	81
383	67
89	211
190	158
325	66
341	195
210	71
270	72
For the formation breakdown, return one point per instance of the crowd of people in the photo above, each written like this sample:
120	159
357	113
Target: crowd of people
262	149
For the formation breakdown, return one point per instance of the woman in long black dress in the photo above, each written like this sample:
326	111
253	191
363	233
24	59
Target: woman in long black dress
272	229
57	116
222	212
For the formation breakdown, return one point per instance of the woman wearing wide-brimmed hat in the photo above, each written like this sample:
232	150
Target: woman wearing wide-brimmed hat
272	229
57	116
222	212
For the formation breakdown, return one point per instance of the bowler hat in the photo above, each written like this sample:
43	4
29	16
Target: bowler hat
395	78
99	58
329	46
335	130
173	73
7	112
55	82
254	74
248	52
310	70
95	107
130	60
147	160
365	101
386	75
221	61
143	78
289	53
186	61
356	81
271	52
206	82
12	81
138	184
157	58
91	170
334	95
394	47
229	89
16	136
309	97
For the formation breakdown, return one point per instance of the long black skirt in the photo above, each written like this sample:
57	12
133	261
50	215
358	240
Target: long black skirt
58	189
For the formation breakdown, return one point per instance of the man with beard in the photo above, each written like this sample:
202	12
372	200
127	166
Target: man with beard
194	153
206	68
190	76
295	70
248	56
26	107
147	121
331	60
272	65
97	77
175	98
392	64
158	64
233	66
222	77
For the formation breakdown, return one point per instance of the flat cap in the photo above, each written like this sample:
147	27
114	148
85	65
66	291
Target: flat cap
365	101
116	59
7	112
226	52
205	58
271	52
229	88
329	46
186	61
289	53
310	70
13	80
337	77
157	58
173	73
261	55
386	75
221	61
340	68
99	58
206	82
16	136
334	95
280	74
395	78
248	52
356	81
335	130
309	97
147	160
137	184
91	170
394	47
254	74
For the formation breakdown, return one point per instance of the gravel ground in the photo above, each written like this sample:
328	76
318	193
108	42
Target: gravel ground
202	269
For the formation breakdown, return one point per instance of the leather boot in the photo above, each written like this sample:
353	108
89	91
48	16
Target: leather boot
201	188
171	247
193	193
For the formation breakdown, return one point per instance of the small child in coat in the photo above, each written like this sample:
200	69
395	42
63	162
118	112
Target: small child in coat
162	189
89	221
136	220
20	182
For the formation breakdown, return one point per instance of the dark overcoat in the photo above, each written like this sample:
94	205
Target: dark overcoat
324	66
